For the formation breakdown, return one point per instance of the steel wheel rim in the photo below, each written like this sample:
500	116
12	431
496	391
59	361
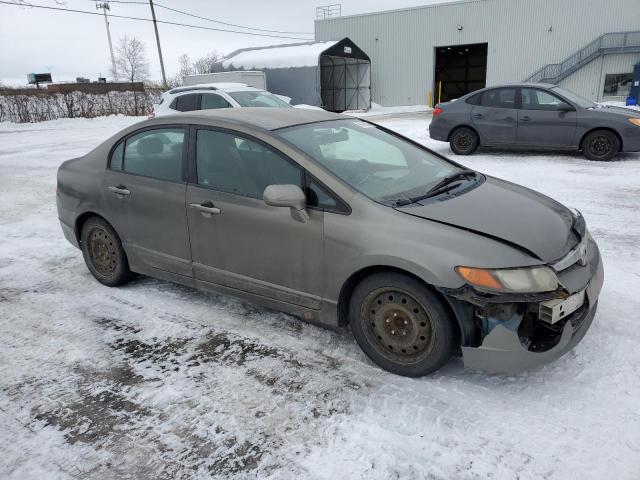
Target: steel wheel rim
102	252
600	146
398	325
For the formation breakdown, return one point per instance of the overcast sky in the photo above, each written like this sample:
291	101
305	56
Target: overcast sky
72	45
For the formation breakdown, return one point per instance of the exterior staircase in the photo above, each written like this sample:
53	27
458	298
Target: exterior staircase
607	43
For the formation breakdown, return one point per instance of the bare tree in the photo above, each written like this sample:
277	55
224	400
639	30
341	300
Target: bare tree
131	59
203	64
184	66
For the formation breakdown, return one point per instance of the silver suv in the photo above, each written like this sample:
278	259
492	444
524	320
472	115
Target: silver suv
341	222
211	96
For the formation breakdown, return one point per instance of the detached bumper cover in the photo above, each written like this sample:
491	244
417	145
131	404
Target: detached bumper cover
502	352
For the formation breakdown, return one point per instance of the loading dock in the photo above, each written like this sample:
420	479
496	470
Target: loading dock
459	69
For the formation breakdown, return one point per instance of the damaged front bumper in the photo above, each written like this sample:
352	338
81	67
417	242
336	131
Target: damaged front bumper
508	335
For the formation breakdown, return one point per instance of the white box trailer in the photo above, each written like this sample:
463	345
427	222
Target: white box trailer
252	78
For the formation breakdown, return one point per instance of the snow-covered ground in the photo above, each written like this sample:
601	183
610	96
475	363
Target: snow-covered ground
156	381
376	110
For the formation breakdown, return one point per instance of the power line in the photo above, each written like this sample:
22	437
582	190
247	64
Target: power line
229	24
46	7
207	18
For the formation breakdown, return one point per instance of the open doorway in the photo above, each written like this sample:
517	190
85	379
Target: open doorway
461	69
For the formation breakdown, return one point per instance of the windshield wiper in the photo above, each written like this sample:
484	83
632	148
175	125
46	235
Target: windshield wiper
444	185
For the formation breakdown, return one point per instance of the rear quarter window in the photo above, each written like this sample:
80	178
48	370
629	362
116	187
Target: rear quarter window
474	99
187	103
115	162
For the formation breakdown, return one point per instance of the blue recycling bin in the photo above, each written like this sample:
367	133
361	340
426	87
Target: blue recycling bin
634	95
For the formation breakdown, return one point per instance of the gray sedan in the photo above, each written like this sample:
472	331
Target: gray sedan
535	116
343	223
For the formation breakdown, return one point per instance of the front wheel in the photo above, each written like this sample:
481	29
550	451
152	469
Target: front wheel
401	325
103	253
600	145
464	141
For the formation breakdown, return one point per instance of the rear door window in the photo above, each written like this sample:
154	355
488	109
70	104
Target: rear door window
212	101
499	98
188	103
155	153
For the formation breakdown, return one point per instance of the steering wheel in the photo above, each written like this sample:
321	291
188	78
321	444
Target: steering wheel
364	176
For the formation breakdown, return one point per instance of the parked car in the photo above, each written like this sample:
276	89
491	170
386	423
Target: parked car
341	222
535	116
215	95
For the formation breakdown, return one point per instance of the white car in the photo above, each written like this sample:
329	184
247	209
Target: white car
215	95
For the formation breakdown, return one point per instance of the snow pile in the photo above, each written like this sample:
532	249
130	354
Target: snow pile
621	104
284	56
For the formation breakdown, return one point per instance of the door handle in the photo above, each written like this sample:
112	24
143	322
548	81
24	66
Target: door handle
525	119
119	190
206	208
478	115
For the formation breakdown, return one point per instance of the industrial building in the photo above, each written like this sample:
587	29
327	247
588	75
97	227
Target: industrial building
449	49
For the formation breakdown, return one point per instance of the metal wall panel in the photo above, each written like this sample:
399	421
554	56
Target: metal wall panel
523	35
589	80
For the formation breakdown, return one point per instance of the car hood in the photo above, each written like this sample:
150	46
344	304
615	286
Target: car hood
627	112
509	213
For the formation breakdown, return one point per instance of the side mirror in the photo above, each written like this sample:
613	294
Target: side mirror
290	196
564	107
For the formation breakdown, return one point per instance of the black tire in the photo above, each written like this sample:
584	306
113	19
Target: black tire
464	141
401	325
103	253
600	145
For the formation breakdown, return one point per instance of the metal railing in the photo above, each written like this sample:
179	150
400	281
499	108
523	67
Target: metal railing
614	42
328	11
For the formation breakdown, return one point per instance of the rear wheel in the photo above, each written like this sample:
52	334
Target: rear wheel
401	325
103	253
600	145
464	141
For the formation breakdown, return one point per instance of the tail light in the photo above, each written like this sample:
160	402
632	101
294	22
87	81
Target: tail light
437	111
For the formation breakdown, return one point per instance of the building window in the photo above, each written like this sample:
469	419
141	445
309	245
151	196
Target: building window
617	84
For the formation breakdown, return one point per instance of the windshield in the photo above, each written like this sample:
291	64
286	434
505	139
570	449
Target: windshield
251	98
575	98
383	166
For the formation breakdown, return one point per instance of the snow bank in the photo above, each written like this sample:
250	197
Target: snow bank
621	104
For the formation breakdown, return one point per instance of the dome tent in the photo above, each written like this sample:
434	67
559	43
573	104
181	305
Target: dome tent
335	75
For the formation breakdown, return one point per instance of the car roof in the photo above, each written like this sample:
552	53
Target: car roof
224	86
546	86
266	118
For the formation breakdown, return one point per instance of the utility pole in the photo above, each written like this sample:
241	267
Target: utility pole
155	26
105	6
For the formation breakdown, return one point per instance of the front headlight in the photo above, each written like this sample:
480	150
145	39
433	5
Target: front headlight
511	280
